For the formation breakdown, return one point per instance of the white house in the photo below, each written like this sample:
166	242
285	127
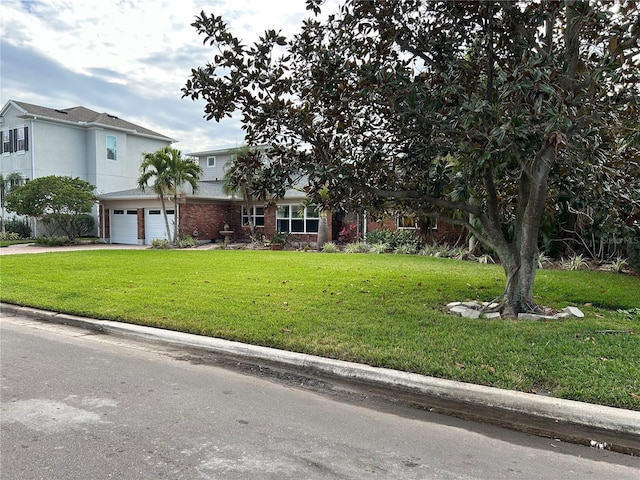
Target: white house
100	148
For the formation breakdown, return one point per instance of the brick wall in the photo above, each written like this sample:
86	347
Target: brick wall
209	220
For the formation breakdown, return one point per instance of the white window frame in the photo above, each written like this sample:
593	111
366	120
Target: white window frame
211	161
413	221
6	142
257	217
20	140
115	147
308	218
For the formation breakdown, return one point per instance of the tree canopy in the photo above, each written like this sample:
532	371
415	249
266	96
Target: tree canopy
61	202
482	114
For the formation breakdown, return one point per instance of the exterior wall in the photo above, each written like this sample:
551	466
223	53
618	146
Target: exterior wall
19	162
209	220
217	172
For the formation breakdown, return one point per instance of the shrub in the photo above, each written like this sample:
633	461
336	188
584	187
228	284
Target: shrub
52	241
9	236
160	243
84	224
405	249
633	250
18	226
378	248
379	236
356	247
617	266
187	242
574	262
330	247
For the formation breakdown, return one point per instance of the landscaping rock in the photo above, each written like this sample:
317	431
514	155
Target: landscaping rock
574	312
491	315
471	313
458	309
534	316
453	304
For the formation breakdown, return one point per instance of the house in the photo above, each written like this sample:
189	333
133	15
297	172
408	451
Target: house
100	148
135	217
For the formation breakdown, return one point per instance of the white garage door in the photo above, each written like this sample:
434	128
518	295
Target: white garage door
154	227
124	226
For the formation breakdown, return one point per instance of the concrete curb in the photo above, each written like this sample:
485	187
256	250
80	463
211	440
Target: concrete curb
594	417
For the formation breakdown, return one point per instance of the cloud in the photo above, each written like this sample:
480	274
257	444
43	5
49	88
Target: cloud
129	58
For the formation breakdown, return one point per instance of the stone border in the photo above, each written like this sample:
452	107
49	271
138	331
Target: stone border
490	310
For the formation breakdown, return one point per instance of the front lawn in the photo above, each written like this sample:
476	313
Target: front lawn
383	310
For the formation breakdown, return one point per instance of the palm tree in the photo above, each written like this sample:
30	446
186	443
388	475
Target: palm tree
241	178
169	171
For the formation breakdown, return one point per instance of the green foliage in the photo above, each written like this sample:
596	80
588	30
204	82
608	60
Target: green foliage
19	226
187	242
160	243
383	310
407	241
280	238
574	262
633	250
167	171
356	247
10	236
330	247
53	241
378	248
60	202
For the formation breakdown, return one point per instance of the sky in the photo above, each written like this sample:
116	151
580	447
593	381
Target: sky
129	58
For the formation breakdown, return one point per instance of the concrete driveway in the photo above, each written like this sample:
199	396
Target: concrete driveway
33	248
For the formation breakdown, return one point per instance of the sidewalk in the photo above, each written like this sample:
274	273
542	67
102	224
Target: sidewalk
594	425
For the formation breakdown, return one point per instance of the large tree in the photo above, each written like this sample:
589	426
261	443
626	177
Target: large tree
471	112
61	202
169	172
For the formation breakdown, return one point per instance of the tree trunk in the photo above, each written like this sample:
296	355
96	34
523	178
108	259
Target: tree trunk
323	231
166	219
518	294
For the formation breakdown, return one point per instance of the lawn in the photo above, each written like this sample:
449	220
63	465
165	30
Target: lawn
383	310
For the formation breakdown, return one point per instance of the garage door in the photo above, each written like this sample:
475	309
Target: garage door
124	226
154	227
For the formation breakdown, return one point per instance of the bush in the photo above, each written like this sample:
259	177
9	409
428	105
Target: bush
53	241
84	224
187	242
633	250
406	240
356	247
378	248
11	236
160	243
330	247
18	226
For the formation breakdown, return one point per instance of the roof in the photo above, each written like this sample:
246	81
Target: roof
85	117
209	190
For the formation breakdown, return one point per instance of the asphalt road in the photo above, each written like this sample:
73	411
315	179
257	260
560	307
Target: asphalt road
80	405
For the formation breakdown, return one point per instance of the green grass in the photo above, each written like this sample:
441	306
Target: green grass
7	243
383	310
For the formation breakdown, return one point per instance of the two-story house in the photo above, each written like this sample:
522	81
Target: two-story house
100	148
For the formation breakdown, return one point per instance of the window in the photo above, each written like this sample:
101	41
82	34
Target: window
20	143
257	216
112	151
15	140
407	221
297	219
6	142
211	161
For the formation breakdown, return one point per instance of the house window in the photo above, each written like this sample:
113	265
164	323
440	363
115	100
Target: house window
407	222
257	216
297	219
112	151
211	161
6	142
20	143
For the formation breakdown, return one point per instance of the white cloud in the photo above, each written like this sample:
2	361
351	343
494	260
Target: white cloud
128	57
